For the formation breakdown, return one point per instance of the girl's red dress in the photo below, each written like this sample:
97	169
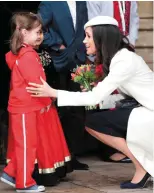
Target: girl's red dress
43	142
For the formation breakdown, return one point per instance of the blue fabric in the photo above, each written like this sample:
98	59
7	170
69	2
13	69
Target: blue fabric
59	29
35	187
8	178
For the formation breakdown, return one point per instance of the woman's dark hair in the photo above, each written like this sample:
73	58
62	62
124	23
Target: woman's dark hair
108	41
22	20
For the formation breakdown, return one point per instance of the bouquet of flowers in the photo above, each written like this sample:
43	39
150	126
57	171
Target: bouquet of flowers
45	58
88	76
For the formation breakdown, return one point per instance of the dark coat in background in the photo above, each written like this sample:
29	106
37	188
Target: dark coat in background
59	29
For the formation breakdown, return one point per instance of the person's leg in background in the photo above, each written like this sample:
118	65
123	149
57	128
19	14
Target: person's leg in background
72	119
109	154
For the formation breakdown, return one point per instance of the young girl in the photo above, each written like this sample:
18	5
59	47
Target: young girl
35	129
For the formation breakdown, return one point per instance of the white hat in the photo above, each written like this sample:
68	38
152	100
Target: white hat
101	20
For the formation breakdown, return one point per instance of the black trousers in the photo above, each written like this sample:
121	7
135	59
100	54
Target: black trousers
72	118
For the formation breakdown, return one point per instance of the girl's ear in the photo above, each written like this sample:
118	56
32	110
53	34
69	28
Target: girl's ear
24	32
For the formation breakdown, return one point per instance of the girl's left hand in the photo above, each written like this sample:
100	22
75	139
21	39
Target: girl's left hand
41	90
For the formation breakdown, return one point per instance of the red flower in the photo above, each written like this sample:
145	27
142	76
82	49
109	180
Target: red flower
78	71
88	68
73	76
115	92
99	70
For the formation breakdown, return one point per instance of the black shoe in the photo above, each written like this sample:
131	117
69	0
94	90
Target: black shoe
141	184
79	166
124	160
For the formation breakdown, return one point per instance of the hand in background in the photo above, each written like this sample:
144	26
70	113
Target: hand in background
62	47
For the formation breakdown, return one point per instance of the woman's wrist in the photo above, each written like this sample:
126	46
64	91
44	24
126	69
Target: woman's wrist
54	93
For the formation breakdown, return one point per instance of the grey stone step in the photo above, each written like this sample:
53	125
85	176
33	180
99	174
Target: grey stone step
146	24
145	39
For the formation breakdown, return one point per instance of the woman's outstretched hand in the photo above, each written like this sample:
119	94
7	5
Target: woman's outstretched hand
41	90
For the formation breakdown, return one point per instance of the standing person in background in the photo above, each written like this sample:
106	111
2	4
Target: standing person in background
63	23
125	12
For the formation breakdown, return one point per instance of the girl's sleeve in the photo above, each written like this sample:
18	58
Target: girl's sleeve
30	68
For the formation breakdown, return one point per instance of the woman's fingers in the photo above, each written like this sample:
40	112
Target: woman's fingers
38	95
38	90
35	85
43	81
33	88
92	84
83	89
35	92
